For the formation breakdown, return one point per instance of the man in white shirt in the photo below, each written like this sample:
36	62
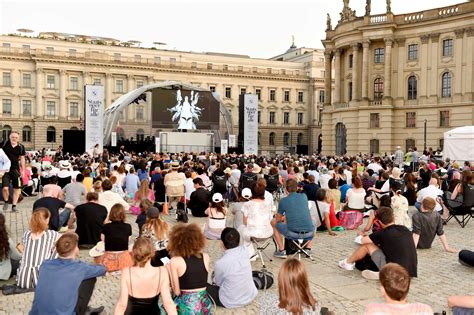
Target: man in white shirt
348	173
375	165
324	178
431	191
312	171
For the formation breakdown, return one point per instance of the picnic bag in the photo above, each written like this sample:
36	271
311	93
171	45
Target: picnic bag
351	219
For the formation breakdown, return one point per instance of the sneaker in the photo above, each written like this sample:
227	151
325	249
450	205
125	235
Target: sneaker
280	254
14	209
5	206
370	275
345	265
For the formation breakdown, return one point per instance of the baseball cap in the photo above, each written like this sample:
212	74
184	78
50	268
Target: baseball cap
217	197
246	193
152	213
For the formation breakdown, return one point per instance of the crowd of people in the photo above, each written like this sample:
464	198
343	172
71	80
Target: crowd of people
83	202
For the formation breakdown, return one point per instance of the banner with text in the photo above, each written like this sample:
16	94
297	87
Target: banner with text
232	141
113	137
250	124
94	116
157	145
224	146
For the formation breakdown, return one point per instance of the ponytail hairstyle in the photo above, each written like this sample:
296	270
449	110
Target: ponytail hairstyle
143	251
39	220
396	187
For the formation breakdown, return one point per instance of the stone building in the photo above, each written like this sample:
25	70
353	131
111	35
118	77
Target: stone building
395	73
41	91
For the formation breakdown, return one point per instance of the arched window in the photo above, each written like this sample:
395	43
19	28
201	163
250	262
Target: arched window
259	138
378	89
6	131
51	134
374	146
140	135
412	88
140	113
271	138
446	85
286	139
409	143
26	134
299	139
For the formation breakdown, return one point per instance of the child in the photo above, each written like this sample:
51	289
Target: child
216	218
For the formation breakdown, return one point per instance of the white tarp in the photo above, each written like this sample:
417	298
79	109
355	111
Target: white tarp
459	144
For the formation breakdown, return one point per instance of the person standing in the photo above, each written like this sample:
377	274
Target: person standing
398	158
15	152
4	166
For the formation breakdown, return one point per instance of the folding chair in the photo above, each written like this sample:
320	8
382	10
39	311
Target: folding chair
301	242
261	244
465	210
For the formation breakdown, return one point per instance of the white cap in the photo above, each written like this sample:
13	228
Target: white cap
246	193
217	197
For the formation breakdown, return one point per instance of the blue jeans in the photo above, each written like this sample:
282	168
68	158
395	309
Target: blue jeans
292	235
64	217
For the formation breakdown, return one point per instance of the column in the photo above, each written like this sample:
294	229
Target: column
108	89
355	72
39	106
327	77
433	57
387	86
365	69
401	84
86	77
468	75
337	77
62	94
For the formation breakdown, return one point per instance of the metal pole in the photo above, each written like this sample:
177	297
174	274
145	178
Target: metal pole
424	134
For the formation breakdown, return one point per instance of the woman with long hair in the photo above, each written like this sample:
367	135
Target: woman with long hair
143	192
38	245
410	188
466	179
142	284
157	230
9	255
189	268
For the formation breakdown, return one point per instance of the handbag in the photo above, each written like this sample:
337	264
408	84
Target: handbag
263	279
181	213
351	219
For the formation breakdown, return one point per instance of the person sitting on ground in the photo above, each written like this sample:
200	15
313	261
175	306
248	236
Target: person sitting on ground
461	305
108	198
311	188
199	199
116	187
237	207
144	192
157	230
37	245
189	269
233	283
336	194
432	191
426	224
54	189
142	284
294	292
216	217
373	222
394	243
116	236
48	201
355	196
141	218
410	188
256	217
90	220
66	284
293	219
9	255
88	180
131	183
395	284
458	192
75	192
320	211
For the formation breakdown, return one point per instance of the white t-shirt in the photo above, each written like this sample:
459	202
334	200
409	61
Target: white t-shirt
433	192
375	167
313	210
189	188
356	200
324	180
348	176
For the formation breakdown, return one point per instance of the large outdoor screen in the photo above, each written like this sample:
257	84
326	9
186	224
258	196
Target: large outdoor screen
184	109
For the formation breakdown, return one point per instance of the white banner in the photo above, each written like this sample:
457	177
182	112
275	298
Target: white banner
113	139
232	141
94	117
250	124
157	144
224	146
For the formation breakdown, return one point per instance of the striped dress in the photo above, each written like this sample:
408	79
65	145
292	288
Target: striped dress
36	251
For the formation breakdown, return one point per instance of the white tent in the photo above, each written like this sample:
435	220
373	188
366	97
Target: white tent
459	144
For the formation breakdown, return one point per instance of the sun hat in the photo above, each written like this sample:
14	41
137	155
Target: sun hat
175	165
97	250
64	164
246	193
217	197
256	169
152	213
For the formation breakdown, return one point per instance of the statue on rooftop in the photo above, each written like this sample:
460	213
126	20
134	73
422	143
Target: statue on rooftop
328	23
389	6
367	7
347	13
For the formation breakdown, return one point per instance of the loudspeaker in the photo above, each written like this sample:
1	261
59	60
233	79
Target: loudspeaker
74	141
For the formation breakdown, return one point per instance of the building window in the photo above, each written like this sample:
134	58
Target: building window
26	134
157	60
139	83
259	116
26	107
300	118
272	95
212	88
269	70
243	90
272	118
138	58
409	144
140	135
379	55
50	82
7	79
7	107
117	57
412	87
255	70
271	138
26	80
300	97
374	146
51	134
97	81
259	93
50	108
286	96
140	113
447	47
446	85
172	61
209	66
26	49
378	89
50	50
349	90
374	120
240	69
74	109
351	61
259	138
6	45
72	53
411	120
74	83
413	52
122	115
286	118
6	131
299	139
444	118
119	86
228	92
193	65
321	96
286	139
225	67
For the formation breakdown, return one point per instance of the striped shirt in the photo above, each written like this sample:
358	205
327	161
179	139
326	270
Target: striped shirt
36	251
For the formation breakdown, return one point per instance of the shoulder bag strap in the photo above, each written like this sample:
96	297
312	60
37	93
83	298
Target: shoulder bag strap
319	212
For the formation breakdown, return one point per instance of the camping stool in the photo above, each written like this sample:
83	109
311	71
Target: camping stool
261	244
300	244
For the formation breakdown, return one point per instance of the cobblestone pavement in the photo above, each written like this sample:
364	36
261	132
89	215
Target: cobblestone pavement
344	292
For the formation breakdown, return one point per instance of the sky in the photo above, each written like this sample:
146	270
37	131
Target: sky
258	28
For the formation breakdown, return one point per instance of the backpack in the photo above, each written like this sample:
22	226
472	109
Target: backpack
219	184
272	182
351	219
262	279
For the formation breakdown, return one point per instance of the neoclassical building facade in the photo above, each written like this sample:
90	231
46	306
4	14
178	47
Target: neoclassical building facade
41	90
395	74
